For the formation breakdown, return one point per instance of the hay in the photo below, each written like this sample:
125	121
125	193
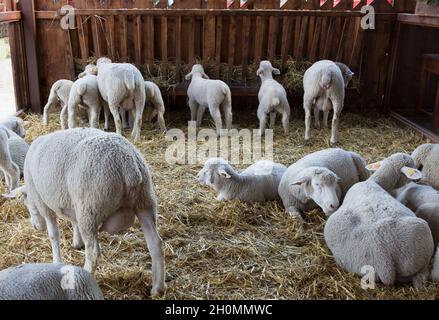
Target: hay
220	250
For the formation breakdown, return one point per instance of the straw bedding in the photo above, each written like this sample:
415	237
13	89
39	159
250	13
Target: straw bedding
220	250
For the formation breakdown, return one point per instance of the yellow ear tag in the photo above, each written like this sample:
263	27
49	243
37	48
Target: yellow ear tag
411	173
374	166
19	194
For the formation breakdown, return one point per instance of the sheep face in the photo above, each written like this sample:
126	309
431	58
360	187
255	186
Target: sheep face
266	69
214	171
420	154
346	72
320	184
197	69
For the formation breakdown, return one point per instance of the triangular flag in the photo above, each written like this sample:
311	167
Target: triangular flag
368	2
322	2
391	2
356	3
336	2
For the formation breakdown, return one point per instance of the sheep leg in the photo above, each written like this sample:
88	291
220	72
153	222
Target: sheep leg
200	113
63	117
51	101
154	243
435	268
334	128
286	122
420	278
216	116
94	118
161	121
116	116
139	102
53	232
193	105
72	110
307	105
77	238
123	115
227	109
262	121
106	116
272	119
89	236
316	118
9	168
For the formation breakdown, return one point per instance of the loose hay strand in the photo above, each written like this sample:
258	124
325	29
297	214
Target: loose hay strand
220	250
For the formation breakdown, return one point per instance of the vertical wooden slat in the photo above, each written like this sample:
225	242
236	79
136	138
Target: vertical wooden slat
358	43
138	39
208	38
323	36
342	40
96	40
123	38
149	43
311	34
164	37
245	46
178	47
259	37
297	32
232	40
329	37
286	38
219	33
272	37
191	41
302	36
315	39
83	38
110	33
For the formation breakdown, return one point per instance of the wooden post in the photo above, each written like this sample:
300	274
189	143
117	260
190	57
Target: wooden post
28	11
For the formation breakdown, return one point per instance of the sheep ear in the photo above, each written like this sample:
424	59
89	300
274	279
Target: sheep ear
374	166
223	173
300	180
82	74
276	71
411	173
188	76
16	193
205	76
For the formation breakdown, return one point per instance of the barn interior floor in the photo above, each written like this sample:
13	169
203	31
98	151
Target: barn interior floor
221	250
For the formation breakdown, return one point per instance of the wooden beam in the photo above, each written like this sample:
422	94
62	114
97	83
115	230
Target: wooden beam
29	26
10	16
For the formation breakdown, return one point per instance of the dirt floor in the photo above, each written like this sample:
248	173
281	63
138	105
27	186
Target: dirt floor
221	250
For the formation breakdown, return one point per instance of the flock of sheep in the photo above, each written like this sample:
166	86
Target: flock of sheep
101	182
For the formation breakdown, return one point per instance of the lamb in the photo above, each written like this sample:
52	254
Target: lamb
257	183
423	200
426	158
45	281
85	92
122	87
213	94
272	98
371	228
320	179
16	125
100	182
324	88
59	91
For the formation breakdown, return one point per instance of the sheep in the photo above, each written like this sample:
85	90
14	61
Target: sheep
426	158
320	179
371	228
45	281
257	183
205	93
13	150
423	200
272	98
122	87
324	88
100	182
59	91
16	125
85	93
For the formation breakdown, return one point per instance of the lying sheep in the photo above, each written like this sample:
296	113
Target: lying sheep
272	98
323	79
59	91
85	93
423	200
122	87
45	281
426	158
323	103
320	179
100	182
257	183
16	125
371	228
213	94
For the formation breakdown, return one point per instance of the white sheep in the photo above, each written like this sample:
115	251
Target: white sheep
426	158
45	281
257	183
15	124
371	228
272	98
320	179
324	88
59	91
100	182
423	200
213	94
13	150
122	87
85	94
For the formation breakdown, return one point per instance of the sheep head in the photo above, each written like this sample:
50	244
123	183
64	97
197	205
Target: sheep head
197	70
214	172
266	70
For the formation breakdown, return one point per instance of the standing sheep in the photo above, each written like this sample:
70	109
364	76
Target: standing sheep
324	87
122	87
423	200
257	183
13	150
320	179
157	106
45	281
59	91
426	158
213	94
371	228
272	98
100	182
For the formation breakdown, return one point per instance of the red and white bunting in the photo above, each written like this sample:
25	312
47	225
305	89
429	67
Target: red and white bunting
336	2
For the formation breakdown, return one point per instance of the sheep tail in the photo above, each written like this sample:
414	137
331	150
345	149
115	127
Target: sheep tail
149	89
360	165
130	83
325	81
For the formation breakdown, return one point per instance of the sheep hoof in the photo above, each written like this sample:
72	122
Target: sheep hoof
333	144
307	142
78	246
158	291
317	125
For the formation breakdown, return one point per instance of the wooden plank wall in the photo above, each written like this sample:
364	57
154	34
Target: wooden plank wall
260	29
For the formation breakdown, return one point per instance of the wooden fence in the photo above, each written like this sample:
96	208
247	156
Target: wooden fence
233	36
